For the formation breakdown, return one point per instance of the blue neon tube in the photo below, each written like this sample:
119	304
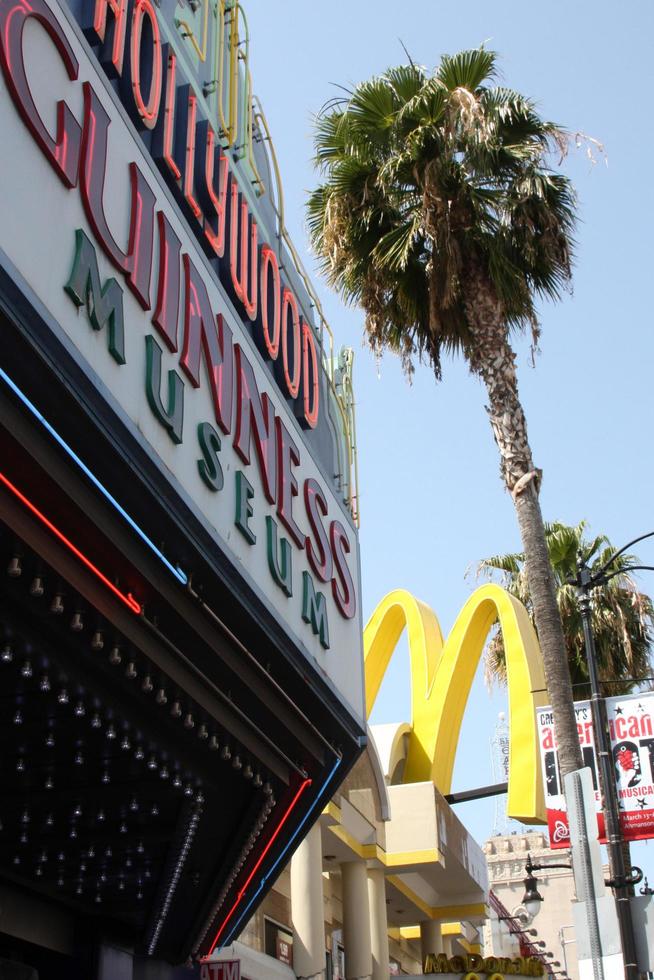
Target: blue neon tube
179	574
281	856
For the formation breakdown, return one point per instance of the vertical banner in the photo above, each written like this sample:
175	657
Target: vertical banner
631	729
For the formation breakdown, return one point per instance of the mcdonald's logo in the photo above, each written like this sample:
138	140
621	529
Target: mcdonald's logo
442	673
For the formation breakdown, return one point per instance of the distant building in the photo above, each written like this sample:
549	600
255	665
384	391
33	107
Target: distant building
506	857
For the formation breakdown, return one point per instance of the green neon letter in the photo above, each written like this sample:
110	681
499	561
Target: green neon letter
171	418
314	610
281	566
104	304
209	466
244	509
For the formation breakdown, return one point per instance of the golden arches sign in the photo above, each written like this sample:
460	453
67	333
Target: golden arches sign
441	678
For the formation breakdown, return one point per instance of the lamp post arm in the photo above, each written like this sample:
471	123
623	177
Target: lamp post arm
633	877
601	579
650	534
545	867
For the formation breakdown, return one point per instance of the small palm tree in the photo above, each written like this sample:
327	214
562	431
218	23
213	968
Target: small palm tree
439	214
622	617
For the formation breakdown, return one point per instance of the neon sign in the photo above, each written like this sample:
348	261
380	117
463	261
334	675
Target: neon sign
127	600
187	150
196	288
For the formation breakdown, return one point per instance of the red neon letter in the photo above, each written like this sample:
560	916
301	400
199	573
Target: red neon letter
217	201
212	337
150	110
255	415
289	303
167	312
189	165
162	145
310	376
269	264
136	263
119	10
318	551
345	596
244	272
63	151
288	455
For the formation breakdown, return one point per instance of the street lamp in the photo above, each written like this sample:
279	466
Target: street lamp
532	898
621	880
521	919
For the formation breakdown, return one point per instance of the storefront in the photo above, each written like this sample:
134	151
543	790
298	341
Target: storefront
180	633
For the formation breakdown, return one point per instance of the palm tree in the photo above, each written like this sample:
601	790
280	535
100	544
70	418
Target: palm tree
622	617
439	215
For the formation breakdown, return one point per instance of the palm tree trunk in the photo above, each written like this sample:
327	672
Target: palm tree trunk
491	358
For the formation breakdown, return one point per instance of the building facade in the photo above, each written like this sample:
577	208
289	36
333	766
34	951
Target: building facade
551	929
180	625
387	876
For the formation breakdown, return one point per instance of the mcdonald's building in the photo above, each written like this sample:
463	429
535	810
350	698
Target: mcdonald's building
180	623
389	881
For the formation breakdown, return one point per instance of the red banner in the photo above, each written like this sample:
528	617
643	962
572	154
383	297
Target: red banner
631	730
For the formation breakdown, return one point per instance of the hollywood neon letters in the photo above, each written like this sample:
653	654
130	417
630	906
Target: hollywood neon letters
187	151
77	152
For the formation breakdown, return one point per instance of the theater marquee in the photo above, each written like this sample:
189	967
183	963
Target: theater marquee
177	443
190	325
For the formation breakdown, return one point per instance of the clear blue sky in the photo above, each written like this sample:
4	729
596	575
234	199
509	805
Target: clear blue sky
432	503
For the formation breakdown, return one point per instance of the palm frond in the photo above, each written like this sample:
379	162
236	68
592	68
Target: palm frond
622	617
467	69
423	173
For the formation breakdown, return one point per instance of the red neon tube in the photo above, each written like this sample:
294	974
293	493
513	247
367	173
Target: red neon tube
128	599
243	889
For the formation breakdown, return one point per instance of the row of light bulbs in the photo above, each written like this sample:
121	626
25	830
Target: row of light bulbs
96	722
75	877
248	846
173	882
37	589
214	743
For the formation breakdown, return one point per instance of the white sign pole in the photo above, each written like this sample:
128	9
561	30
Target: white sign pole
599	950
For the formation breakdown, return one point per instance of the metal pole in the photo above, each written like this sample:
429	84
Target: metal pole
565	942
607	783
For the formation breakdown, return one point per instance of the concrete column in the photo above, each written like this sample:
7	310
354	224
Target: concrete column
378	924
356	921
431	938
307	910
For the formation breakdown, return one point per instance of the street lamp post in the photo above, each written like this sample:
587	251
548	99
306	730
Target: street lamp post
585	582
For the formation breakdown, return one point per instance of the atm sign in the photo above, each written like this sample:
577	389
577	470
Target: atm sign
227	970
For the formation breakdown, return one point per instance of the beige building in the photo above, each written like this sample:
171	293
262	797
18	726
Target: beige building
387	875
552	926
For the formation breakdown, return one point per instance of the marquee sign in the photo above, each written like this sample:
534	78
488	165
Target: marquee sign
141	227
631	730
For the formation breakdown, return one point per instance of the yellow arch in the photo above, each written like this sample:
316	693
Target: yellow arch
441	678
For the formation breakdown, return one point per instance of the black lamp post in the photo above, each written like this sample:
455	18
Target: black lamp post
532	897
621	880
